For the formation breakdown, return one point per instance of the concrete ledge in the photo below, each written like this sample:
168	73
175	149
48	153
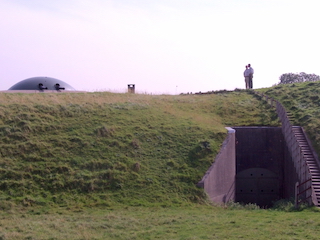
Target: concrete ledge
230	130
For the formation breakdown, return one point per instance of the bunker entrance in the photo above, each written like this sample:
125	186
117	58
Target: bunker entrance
253	166
257	185
260	154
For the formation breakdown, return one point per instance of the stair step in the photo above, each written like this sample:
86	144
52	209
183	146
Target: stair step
314	169
315	174
312	164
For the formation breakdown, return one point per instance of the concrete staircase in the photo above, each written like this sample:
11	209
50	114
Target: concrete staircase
305	160
310	161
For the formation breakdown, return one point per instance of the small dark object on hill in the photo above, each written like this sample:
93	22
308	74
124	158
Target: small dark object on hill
136	167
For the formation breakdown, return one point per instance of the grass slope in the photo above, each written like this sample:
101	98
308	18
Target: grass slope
303	102
90	149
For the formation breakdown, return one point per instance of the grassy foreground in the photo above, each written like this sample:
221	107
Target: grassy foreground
193	222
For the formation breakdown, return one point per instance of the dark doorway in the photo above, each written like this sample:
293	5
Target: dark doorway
257	185
259	165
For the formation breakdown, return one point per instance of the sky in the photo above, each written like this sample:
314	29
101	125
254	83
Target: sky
161	46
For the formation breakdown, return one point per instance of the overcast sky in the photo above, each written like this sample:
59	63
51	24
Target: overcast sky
161	46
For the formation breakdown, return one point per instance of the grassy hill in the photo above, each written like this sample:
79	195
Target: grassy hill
302	100
91	149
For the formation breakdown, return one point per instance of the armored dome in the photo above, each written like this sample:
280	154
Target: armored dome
42	83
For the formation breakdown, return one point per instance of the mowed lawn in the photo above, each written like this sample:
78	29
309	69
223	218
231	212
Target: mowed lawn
193	222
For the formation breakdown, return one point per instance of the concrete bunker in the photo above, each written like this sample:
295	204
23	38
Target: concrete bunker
253	166
41	84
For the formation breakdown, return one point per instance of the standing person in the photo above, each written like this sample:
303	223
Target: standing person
246	77
251	72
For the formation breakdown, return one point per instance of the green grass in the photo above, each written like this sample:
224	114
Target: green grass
303	102
101	149
124	166
193	222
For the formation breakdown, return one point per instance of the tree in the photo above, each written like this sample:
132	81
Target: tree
298	77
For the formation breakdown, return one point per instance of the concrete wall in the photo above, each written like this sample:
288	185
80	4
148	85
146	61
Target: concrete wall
219	180
290	176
